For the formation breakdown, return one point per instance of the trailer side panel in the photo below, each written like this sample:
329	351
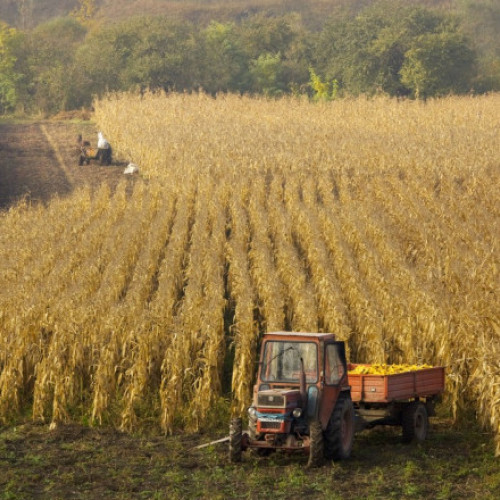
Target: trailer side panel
396	387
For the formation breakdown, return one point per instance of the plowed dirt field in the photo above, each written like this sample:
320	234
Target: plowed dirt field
40	160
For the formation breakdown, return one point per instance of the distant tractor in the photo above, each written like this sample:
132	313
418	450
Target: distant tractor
305	399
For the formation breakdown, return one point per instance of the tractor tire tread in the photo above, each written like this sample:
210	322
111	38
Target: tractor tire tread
235	440
337	446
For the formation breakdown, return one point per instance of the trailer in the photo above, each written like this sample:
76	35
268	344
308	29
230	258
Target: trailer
407	398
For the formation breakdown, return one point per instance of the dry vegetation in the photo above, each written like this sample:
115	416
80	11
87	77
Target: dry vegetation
374	219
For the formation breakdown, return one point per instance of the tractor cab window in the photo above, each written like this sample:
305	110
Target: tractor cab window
281	362
334	363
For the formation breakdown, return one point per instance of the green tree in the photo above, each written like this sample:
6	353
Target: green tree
367	54
481	23
322	90
8	76
139	53
51	48
101	61
85	11
267	73
264	34
343	51
278	46
438	64
226	64
387	51
165	55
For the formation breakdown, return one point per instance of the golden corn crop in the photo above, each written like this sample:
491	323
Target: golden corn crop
374	219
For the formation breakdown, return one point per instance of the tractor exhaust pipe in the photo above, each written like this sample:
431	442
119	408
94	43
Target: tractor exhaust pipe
303	390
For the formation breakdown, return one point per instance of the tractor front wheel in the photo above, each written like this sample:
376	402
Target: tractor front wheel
235	440
339	434
415	422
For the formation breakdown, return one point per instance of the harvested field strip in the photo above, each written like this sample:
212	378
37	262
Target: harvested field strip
57	153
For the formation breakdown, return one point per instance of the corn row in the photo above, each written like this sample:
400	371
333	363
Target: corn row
428	309
303	310
107	296
267	282
143	348
209	343
245	329
178	376
332	316
365	320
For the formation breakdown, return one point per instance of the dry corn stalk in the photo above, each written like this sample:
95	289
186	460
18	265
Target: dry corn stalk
257	215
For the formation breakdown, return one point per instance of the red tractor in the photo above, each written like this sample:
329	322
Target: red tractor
303	400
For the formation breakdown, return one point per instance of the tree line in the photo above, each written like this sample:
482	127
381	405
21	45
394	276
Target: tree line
388	47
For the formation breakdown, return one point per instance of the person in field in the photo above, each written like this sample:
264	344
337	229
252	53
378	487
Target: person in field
104	152
81	146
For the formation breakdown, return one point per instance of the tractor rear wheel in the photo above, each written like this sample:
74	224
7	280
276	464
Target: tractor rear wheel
339	434
415	422
316	445
235	440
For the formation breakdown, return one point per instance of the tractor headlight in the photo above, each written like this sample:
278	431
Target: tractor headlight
297	413
252	412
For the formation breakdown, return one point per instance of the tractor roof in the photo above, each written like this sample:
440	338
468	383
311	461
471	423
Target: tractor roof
303	335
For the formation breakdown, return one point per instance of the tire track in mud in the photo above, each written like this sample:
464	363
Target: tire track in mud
57	153
28	167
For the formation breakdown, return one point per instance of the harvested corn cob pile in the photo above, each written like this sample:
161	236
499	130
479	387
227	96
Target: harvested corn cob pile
385	369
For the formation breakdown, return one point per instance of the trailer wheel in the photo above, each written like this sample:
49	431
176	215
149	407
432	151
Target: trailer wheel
316	444
415	422
235	440
339	434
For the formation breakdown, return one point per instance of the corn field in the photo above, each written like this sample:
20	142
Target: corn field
377	220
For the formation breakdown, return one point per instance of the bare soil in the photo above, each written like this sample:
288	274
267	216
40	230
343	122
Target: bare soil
81	462
40	160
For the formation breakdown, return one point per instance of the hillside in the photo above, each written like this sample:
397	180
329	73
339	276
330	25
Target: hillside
203	11
26	14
